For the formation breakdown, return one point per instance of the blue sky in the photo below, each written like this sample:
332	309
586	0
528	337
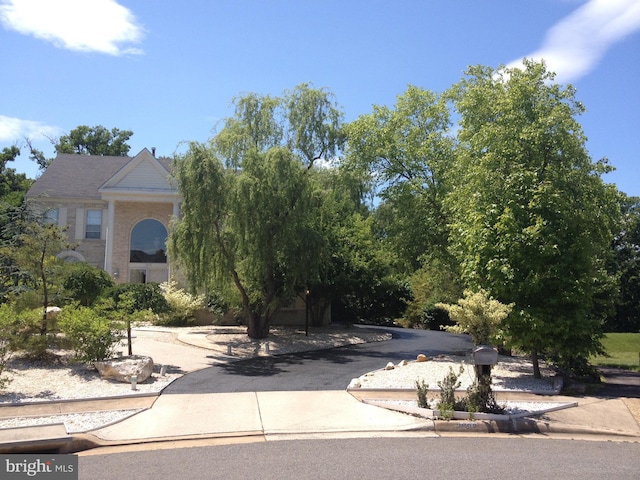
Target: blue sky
168	70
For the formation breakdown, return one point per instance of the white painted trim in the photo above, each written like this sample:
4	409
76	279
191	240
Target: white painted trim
80	220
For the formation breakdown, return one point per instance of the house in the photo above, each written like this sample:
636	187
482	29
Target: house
117	212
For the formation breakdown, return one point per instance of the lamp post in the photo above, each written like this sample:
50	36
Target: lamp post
306	313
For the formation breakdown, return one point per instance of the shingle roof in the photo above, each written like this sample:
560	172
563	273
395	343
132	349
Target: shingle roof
78	176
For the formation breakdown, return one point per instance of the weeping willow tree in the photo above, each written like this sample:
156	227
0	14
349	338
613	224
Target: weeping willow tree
248	208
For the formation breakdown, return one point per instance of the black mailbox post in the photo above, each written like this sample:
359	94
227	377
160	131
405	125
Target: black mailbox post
484	357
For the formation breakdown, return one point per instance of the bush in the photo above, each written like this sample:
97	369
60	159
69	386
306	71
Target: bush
422	390
139	297
30	333
28	300
448	386
479	315
480	397
183	305
434	282
85	284
7	325
92	334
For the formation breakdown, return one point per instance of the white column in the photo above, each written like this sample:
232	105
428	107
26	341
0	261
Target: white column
108	253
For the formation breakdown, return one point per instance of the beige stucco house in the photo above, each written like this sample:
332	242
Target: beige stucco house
116	209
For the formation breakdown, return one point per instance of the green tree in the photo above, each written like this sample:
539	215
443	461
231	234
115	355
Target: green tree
85	140
247	201
407	151
626	265
31	245
250	227
533	220
96	140
13	186
305	120
355	273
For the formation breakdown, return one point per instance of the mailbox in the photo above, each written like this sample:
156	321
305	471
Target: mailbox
485	355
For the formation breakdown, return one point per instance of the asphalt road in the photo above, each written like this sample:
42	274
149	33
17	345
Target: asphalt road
319	370
619	383
376	458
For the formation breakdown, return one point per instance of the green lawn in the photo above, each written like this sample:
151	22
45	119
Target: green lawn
623	351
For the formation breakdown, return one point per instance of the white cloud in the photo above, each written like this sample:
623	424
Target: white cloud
574	46
101	26
15	129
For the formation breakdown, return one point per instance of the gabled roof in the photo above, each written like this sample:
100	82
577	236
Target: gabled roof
143	173
82	176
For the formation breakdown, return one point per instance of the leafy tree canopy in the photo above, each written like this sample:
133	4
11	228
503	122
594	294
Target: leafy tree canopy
247	200
96	140
13	186
626	265
532	219
406	151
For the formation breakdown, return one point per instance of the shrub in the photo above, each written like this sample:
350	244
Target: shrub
479	315
92	334
183	305
28	300
85	284
140	296
7	325
30	334
423	389
480	397
448	386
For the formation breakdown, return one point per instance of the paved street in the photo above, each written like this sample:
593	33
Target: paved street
376	458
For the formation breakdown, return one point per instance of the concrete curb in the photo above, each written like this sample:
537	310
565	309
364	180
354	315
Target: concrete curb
33	439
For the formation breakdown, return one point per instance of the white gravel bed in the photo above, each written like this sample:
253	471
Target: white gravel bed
31	382
74	422
511	374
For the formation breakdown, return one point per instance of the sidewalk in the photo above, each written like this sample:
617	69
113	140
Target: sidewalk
262	416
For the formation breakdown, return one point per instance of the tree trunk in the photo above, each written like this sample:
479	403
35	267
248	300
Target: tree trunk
318	310
45	297
536	364
257	326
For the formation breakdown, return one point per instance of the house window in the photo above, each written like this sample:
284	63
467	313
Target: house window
148	239
51	216
94	224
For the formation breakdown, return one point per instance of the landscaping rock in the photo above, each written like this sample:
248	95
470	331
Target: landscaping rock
403	363
422	358
390	366
123	368
52	312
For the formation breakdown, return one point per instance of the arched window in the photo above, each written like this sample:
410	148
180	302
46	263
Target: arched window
69	256
148	240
